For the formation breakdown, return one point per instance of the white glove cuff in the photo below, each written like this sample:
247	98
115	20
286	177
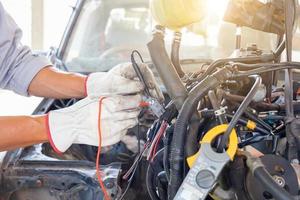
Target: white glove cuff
60	135
50	138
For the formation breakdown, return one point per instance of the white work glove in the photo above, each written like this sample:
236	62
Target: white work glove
121	80
79	123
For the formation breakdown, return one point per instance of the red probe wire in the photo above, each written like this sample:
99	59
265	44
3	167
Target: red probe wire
98	172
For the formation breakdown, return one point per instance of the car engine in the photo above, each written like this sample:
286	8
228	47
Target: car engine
229	130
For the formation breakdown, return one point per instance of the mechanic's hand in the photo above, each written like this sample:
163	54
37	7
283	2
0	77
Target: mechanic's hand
121	80
79	123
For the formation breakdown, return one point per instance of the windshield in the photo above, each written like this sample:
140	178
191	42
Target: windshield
107	31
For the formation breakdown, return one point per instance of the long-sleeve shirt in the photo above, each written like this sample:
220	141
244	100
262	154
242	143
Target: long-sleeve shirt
18	65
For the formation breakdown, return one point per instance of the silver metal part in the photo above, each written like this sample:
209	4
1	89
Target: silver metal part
279	180
202	177
154	105
221	111
260	94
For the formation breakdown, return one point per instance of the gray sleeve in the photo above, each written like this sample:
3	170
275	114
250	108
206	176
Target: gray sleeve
18	65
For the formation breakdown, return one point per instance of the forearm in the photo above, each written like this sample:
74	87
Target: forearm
52	83
22	131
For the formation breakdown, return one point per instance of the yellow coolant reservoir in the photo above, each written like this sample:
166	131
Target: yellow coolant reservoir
176	14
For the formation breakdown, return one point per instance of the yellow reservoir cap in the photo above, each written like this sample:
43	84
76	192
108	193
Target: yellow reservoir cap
176	14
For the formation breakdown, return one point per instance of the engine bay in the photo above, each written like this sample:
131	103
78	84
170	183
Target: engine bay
229	130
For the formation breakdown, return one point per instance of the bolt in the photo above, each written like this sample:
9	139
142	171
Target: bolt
279	180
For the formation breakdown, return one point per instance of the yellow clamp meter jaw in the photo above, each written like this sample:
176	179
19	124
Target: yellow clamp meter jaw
206	166
211	135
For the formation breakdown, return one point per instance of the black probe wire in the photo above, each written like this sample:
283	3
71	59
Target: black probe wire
244	105
133	61
130	180
138	53
138	72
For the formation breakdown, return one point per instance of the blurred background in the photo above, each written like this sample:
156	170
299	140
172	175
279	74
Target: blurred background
43	23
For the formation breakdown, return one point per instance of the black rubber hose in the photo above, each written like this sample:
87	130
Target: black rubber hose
278	193
154	168
165	68
285	65
263	68
254	59
175	54
171	80
263	58
192	145
261	106
244	105
150	178
162	185
178	142
167	141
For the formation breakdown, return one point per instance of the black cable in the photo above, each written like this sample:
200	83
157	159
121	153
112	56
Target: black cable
244	105
256	69
167	141
162	184
289	112
244	66
138	154
257	120
154	168
212	67
139	137
138	160
270	57
130	180
166	162
138	53
138	71
262	68
244	123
